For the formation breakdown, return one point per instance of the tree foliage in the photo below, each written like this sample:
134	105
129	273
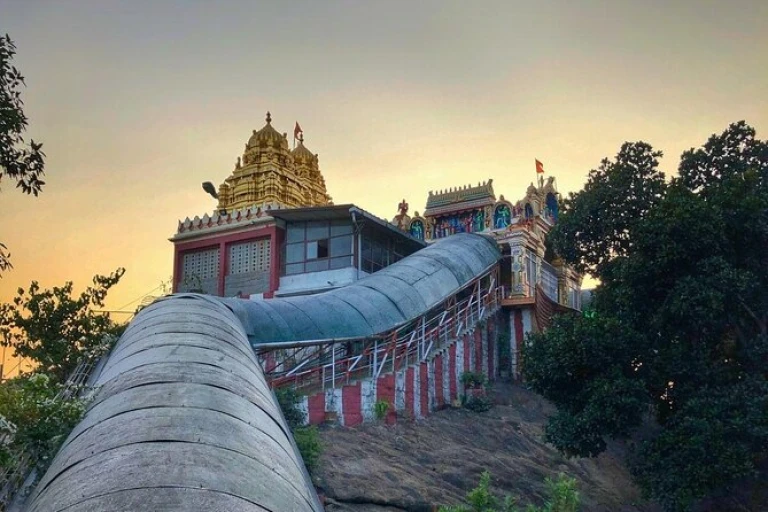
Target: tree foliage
680	326
597	224
35	418
307	438
56	329
19	161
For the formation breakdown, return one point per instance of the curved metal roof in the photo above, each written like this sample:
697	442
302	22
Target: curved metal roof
183	420
377	303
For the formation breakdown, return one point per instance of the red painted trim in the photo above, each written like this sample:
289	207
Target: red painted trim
424	389
351	405
385	390
223	242
176	269
478	351
467	365
316	408
452	384
278	237
439	398
260	232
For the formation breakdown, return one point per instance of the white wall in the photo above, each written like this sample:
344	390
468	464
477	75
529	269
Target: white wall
317	281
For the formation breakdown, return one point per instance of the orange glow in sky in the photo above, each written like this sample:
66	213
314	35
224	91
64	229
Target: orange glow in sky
137	103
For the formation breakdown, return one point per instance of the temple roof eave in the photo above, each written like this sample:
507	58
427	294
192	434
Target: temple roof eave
458	206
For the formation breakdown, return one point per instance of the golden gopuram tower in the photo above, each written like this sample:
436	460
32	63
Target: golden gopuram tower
269	172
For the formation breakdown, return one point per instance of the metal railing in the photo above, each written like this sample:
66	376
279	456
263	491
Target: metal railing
324	365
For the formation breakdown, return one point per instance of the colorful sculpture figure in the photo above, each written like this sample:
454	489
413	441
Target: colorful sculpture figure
479	221
417	229
502	216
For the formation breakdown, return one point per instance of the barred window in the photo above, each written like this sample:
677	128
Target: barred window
202	264
250	256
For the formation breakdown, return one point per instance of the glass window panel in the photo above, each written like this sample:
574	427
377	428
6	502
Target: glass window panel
343	262
295	232
294	253
341	245
311	250
341	227
317	230
314	266
294	268
322	249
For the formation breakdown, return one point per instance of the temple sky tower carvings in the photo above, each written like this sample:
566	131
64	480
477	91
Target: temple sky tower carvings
269	172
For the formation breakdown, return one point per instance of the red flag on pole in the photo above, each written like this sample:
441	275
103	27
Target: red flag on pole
297	130
539	167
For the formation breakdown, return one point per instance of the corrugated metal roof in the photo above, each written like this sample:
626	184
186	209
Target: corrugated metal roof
375	304
183	421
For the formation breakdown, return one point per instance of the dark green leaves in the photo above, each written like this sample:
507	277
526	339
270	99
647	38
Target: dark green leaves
18	161
596	225
679	323
56	329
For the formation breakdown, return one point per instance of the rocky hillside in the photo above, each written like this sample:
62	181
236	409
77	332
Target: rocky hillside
415	466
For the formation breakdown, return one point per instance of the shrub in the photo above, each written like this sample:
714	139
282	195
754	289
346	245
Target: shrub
478	403
34	418
308	441
474	379
380	409
307	438
289	400
562	496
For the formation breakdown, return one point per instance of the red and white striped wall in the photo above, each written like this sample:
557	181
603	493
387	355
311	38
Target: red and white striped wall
415	391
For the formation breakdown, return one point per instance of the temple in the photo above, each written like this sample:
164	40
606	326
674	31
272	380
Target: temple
276	232
269	173
519	228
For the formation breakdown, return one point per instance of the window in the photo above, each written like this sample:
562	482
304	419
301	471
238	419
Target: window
201	264
295	232
249	256
317	249
377	253
317	245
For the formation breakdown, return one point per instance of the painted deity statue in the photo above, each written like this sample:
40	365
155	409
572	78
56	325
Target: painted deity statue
502	216
417	230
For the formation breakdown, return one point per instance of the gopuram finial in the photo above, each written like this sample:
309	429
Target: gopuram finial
269	117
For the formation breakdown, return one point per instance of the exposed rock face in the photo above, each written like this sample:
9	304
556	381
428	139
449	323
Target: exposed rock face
418	466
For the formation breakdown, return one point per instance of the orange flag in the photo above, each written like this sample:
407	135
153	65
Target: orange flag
297	130
539	167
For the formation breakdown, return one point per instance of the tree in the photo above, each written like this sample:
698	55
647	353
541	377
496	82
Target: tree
55	329
18	161
681	325
597	224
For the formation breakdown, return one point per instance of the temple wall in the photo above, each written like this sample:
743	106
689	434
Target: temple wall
248	283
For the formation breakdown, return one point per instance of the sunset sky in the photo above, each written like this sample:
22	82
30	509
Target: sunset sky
138	102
